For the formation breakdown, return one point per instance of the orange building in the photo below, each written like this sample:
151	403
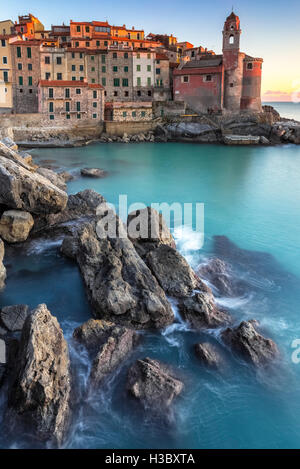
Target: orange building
30	27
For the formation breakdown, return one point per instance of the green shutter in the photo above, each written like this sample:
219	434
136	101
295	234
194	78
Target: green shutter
20	81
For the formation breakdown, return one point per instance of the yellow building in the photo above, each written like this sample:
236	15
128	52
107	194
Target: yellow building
122	31
6	101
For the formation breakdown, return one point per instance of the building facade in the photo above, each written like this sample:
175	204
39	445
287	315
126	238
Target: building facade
6	89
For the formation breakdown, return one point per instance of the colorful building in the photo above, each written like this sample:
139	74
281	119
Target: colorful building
231	81
130	111
6	79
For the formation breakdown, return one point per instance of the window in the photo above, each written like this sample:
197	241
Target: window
139	93
51	117
81	78
30	91
138	68
78	91
126	69
4	60
30	67
21	91
29	52
138	81
116	81
126	55
103	81
231	85
87	44
148	81
94	94
115	69
58	60
126	94
115	55
93	80
50	92
67	92
92	69
103	59
5	77
125	82
73	78
47	76
103	69
148	68
73	55
29	81
78	116
92	57
157	71
208	78
59	76
81	68
51	107
97	43
3	43
94	116
186	79
231	39
64	39
78	106
124	114
249	66
20	81
149	93
149	56
67	106
115	93
73	68
143	114
158	61
94	104
68	116
19	66
133	113
76	44
19	52
87	29
138	56
78	29
105	43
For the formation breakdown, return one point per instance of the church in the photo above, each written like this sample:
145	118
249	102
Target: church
227	82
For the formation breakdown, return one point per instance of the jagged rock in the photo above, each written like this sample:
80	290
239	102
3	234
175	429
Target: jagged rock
208	355
147	230
66	176
13	317
2	268
53	177
252	346
15	226
11	154
24	190
219	274
93	172
264	140
173	272
39	396
192	130
201	311
153	385
120	286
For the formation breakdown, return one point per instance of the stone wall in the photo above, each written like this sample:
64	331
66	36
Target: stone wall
168	108
130	128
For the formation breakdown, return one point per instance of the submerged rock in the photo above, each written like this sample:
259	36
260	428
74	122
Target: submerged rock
173	272
219	274
13	317
209	355
93	172
39	397
2	268
201	311
15	226
53	177
147	230
249	344
153	385
120	286
25	190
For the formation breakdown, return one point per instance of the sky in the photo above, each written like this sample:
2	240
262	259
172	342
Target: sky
270	28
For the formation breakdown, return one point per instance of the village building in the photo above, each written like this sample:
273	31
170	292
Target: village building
212	83
130	111
66	102
30	27
6	93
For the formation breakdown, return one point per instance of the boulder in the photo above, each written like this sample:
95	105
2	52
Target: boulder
153	385
172	271
15	226
120	286
147	230
249	344
264	140
53	177
93	172
208	355
13	317
66	176
201	311
24	190
39	396
2	268
10	153
219	274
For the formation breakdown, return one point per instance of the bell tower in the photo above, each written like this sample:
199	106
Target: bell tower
233	63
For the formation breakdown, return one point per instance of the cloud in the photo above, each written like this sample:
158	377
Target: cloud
276	95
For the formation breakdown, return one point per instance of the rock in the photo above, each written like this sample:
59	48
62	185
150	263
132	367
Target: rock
66	176
219	274
93	172
24	190
208	355
201	311
9	143
153	385
147	230
11	154
120	286
39	396
191	130
2	360
15	226
241	140
2	268
53	177
13	317
264	140
93	333
172	271
249	344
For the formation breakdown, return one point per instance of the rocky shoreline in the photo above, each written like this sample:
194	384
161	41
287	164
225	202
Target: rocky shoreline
131	283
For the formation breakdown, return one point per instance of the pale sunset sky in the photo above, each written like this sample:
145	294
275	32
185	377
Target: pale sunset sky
270	29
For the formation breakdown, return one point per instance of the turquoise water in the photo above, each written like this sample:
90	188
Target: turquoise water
252	196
